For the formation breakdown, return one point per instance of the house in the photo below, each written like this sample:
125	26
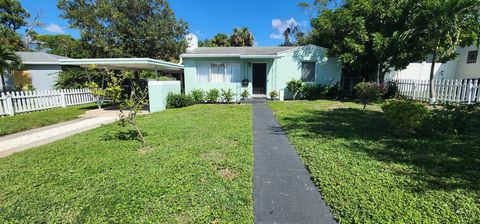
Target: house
465	66
259	70
40	71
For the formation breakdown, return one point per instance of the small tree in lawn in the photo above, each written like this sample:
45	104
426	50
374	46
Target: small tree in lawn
129	101
368	92
294	86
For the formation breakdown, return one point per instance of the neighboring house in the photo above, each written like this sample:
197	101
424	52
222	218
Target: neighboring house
465	66
260	70
40	70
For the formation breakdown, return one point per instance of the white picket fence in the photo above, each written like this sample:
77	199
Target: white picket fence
12	103
447	90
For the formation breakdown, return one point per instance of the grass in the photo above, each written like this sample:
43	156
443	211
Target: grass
367	174
27	121
197	169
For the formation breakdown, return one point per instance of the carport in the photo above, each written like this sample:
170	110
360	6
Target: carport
157	90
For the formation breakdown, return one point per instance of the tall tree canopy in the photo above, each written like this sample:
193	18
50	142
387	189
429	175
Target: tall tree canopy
441	26
240	37
12	17
64	45
219	40
368	35
127	28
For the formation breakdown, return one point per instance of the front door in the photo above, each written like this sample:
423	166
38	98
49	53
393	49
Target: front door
259	74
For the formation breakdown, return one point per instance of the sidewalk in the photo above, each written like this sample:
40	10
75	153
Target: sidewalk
28	139
282	189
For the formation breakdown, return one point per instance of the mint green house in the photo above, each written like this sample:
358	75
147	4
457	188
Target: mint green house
260	70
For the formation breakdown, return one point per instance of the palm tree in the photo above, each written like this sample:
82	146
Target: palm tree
241	37
443	26
8	61
221	40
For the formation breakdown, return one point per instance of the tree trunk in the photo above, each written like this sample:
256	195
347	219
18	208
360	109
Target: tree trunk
379	70
4	85
432	86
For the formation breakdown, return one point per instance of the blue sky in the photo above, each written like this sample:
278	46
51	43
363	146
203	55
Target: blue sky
265	18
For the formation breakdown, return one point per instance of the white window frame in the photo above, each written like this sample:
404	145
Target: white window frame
226	66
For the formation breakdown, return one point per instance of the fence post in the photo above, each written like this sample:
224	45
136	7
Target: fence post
62	99
414	89
9	99
469	91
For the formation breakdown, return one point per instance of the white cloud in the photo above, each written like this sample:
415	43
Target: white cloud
280	26
54	28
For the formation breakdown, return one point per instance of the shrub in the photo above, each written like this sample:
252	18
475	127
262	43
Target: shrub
213	96
198	95
179	100
368	92
294	87
334	91
227	96
452	119
391	90
245	94
405	116
273	95
312	91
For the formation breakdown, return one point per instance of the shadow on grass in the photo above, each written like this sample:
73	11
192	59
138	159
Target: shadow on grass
439	163
123	135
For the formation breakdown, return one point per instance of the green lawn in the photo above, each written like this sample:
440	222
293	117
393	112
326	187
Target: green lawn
198	169
26	121
369	175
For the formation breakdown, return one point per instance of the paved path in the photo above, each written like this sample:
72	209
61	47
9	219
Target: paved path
32	138
282	189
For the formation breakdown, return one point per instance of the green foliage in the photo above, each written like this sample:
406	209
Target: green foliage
129	101
391	90
294	86
273	95
404	115
368	92
12	17
227	96
241	37
367	174
314	91
441	26
219	40
64	45
453	120
213	96
118	28
74	77
27	121
178	100
8	61
369	36
245	94
180	179
198	96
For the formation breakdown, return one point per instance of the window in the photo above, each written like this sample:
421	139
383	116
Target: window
308	71
472	57
216	72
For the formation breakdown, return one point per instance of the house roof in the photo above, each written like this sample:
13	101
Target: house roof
39	58
125	64
236	52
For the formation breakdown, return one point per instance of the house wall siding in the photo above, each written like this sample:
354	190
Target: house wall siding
279	70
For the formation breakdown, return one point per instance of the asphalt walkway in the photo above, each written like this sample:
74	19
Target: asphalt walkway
282	189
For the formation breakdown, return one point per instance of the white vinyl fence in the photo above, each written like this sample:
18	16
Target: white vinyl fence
447	90
13	103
